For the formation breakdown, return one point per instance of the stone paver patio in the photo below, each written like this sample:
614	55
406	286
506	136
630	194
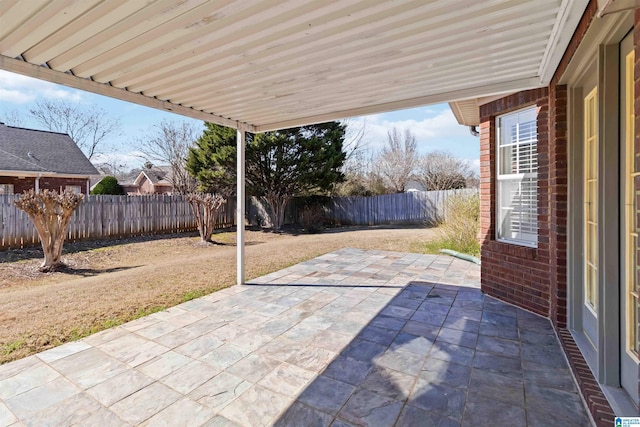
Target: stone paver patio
349	338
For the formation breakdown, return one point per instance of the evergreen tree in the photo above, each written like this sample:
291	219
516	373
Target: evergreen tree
279	165
291	162
108	185
212	162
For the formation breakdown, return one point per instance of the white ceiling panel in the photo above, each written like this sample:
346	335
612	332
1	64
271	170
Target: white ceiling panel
268	64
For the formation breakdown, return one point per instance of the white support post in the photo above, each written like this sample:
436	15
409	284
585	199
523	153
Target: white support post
240	206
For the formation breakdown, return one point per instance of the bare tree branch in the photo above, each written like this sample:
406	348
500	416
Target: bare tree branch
398	159
169	144
440	170
355	139
12	118
88	128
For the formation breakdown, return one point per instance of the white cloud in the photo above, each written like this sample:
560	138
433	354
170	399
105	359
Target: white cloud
475	165
431	132
19	89
126	161
15	96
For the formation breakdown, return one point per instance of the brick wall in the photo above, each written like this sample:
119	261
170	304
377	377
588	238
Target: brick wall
559	178
533	278
21	185
513	273
536	279
558	204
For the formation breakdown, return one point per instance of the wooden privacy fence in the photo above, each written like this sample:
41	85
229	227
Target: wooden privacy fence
415	207
100	217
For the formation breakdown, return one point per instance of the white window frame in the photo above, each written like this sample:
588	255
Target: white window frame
524	236
75	188
6	189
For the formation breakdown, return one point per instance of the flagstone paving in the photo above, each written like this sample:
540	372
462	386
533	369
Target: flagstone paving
351	338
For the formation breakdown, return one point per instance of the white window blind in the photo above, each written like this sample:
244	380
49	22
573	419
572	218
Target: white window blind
74	188
517	195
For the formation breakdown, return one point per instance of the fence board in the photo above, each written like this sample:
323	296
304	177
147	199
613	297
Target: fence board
402	208
100	217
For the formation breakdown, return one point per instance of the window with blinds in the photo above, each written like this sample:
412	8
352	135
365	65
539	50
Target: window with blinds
73	188
517	189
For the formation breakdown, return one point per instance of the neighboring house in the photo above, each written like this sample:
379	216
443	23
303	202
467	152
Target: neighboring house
151	180
413	185
560	186
35	159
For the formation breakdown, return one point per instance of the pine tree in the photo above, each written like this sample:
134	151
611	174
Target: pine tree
212	162
279	165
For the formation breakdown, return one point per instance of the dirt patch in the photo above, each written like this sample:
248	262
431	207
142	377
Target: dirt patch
106	285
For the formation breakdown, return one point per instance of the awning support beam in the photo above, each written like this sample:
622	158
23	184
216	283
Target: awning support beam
240	204
53	76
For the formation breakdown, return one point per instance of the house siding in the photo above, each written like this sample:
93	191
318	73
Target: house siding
21	185
145	187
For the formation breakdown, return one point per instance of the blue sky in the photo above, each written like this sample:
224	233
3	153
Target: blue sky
434	126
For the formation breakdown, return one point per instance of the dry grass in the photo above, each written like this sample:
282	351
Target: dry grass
109	285
459	231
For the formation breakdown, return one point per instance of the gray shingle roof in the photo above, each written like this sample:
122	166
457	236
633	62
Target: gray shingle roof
158	174
41	151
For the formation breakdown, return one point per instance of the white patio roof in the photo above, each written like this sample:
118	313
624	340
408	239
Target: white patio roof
268	64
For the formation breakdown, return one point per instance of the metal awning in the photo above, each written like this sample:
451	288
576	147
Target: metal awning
258	65
269	64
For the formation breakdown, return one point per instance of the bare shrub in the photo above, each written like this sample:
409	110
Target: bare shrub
312	218
50	213
440	170
397	160
205	208
169	143
460	224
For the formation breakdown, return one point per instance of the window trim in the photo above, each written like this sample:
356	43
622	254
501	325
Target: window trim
73	188
507	177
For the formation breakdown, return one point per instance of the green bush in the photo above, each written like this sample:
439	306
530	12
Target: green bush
108	185
460	225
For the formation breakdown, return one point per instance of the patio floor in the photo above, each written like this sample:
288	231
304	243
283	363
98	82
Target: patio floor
349	338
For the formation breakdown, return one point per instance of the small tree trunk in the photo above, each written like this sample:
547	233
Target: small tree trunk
278	204
52	261
205	208
50	213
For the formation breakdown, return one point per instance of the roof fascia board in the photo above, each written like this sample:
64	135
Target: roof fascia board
606	7
569	16
457	112
466	112
32	174
473	92
139	177
607	30
66	79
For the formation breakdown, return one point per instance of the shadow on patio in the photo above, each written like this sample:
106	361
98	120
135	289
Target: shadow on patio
352	337
440	355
